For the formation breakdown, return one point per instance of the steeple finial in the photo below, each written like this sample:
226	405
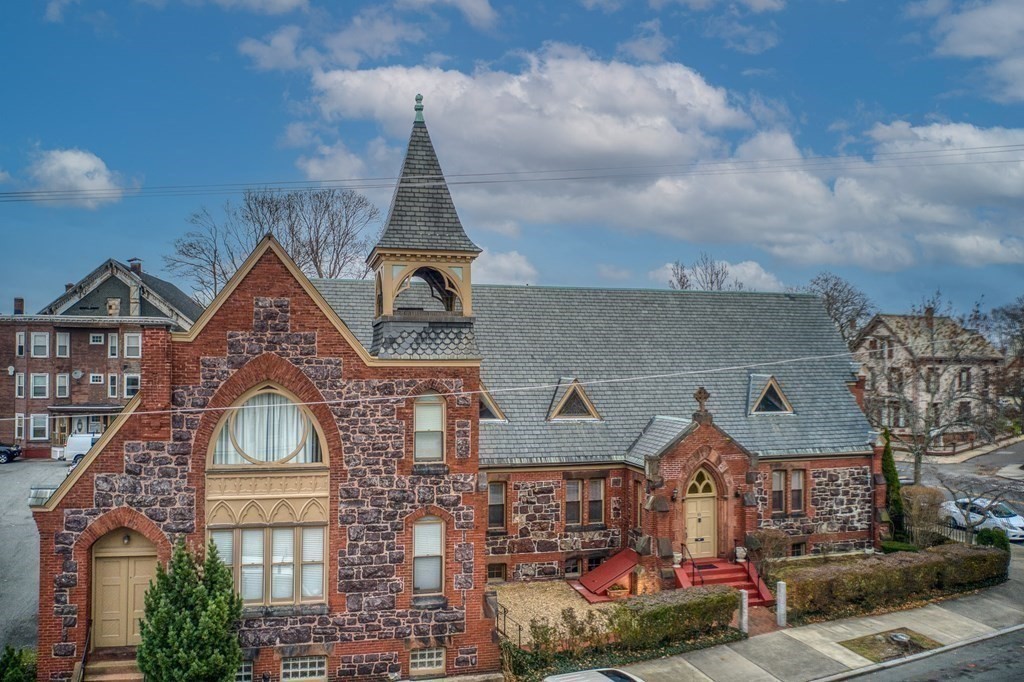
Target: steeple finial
419	109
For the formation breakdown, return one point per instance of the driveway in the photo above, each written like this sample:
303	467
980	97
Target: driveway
983	469
19	547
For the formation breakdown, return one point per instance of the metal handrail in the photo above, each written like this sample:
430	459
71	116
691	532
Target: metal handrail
85	650
501	621
694	568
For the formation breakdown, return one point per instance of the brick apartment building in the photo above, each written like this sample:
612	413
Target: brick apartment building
367	457
73	366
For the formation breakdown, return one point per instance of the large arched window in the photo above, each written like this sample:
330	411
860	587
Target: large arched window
267	427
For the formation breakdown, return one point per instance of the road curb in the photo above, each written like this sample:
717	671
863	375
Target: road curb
885	665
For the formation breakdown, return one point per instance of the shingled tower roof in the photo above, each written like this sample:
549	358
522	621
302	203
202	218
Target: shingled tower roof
422	215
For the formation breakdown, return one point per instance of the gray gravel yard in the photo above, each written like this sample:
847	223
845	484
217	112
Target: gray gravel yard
542	599
19	547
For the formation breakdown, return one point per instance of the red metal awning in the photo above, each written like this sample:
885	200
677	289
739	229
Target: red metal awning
602	577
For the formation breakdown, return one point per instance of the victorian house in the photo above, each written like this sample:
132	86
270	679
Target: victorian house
369	455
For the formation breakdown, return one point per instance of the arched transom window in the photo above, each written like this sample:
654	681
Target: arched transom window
701	484
267	427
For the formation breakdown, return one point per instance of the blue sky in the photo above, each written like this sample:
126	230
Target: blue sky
881	140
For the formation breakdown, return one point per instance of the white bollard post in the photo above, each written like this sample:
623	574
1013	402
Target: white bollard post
744	612
780	604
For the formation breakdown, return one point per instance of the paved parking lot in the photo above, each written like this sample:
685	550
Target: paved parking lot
19	547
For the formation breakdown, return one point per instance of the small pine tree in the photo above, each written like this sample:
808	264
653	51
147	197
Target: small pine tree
893	498
188	632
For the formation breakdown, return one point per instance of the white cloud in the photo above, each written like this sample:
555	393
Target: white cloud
478	13
264	6
508	267
974	248
565	108
606	6
756	6
648	44
332	162
5	177
992	31
55	9
75	170
278	51
372	34
613	272
740	36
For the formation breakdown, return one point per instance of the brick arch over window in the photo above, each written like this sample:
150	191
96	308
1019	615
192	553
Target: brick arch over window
712	462
260	370
122	517
451	566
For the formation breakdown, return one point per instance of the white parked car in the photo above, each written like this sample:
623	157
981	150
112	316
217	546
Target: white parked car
984	513
599	675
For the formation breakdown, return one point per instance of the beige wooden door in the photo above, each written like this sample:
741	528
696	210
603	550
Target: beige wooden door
121	584
701	527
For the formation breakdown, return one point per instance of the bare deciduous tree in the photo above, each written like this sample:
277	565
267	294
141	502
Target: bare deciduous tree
1008	329
848	306
327	232
706	274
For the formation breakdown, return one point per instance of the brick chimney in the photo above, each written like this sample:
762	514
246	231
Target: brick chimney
19	306
136	265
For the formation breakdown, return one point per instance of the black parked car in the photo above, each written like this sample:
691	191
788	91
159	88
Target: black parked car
8	453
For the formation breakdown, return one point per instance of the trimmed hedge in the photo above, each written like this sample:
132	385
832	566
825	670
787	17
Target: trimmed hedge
673	615
880	580
890	546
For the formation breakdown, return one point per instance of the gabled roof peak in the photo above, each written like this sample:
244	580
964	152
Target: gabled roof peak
422	216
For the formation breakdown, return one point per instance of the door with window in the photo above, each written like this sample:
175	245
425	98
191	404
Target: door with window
701	509
122	572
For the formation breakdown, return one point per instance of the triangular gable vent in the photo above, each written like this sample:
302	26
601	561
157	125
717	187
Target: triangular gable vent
489	410
772	400
574	405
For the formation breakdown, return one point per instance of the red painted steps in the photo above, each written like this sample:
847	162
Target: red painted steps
723	573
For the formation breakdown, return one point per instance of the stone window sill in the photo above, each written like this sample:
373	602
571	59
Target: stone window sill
581	528
431	469
283	610
430	602
497	532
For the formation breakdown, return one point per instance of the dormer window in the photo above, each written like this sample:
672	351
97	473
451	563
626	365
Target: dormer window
574	404
267	428
489	410
772	400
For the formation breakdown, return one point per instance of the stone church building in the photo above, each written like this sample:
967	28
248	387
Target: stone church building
369	455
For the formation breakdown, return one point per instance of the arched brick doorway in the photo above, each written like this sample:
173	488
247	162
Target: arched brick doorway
123	564
700	514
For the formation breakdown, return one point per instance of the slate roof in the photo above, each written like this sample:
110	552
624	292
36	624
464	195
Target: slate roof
422	215
530	335
444	338
660	433
172	294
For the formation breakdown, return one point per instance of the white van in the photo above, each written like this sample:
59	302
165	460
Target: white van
79	444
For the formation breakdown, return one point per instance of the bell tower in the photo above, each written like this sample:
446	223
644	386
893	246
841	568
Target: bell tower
425	259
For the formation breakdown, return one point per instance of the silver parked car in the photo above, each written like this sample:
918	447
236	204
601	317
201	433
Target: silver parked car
983	513
598	675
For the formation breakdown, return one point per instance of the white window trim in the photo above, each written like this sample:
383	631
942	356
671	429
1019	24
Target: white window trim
429	399
63	339
57	392
96	339
113	386
138	379
19	385
112	345
96	379
422	522
19	345
138	337
46	427
19	426
32	387
32	345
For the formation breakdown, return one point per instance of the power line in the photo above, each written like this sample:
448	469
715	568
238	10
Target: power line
921	158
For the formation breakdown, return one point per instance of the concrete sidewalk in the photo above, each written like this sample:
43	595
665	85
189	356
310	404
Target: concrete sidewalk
960	457
812	652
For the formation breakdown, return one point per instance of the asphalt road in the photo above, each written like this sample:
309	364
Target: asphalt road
19	547
982	468
994	660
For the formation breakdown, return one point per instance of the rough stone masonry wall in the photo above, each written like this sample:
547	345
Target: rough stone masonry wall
368	597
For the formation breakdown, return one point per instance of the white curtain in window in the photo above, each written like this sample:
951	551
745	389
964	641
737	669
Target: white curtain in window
268	427
282	576
313	566
252	564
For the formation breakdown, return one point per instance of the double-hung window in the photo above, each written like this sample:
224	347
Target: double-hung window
133	345
19	385
63	344
639	502
40	344
277	565
63	386
796	490
19	344
428	555
40	385
428	418
496	505
572	502
19	426
595	501
39	427
112	345
131	385
779	491
112	391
